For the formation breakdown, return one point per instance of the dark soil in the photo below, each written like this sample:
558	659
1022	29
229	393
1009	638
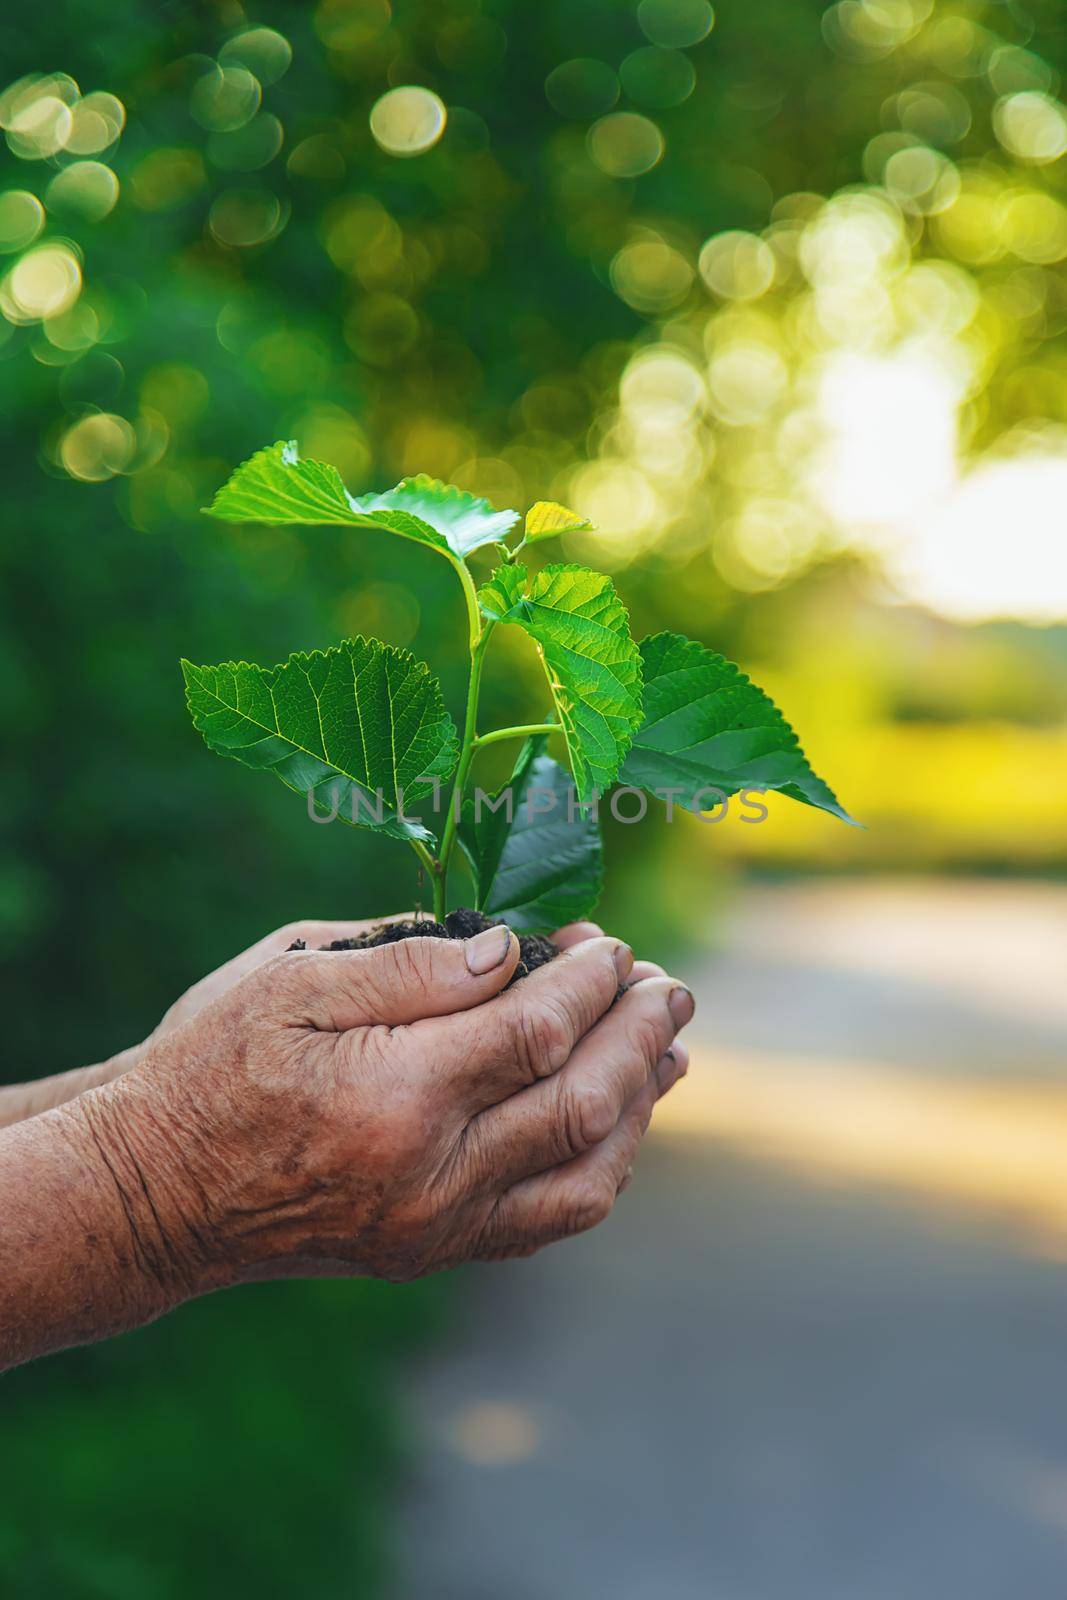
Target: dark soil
535	950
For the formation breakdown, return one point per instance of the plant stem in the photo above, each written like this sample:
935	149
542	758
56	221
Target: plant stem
466	756
470	595
428	863
523	730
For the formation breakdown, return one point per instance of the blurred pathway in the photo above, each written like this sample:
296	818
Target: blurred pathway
820	1352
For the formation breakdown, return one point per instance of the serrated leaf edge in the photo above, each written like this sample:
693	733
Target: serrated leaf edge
421	670
794	744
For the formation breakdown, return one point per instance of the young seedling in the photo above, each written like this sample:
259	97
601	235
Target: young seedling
361	729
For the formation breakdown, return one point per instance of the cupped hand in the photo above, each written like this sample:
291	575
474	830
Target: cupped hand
577	932
308	931
389	1111
313	932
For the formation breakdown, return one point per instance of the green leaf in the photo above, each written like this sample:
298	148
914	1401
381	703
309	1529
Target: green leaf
359	728
502	593
537	864
276	486
547	518
706	726
462	520
582	632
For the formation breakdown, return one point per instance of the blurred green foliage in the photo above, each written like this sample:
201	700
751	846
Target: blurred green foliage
240	250
241	1446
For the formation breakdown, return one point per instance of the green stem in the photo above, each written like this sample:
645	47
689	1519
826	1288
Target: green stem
466	756
428	863
470	595
523	730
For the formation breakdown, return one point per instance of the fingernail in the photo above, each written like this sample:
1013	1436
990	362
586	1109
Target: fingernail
487	950
624	960
681	1006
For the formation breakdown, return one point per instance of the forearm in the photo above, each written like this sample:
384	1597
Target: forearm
86	1244
21	1100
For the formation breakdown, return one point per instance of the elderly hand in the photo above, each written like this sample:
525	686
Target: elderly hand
314	933
388	1111
21	1100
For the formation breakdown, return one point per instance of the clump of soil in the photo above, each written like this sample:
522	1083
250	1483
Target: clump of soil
535	950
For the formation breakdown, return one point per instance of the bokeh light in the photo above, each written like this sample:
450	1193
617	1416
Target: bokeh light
246	217
1012	69
936	113
921	180
675	24
650	275
225	98
1033	226
97	120
263	52
85	189
249	148
98	447
1032	127
408	120
36	114
22	217
737	266
625	144
868	30
45	282
75	331
658	78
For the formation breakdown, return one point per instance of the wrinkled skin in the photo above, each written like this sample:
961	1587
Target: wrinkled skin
314	932
388	1111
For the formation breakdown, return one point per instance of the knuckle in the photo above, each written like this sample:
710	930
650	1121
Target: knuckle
477	1170
588	1116
589	1205
543	1037
593	980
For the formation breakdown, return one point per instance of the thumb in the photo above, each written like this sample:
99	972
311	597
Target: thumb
404	981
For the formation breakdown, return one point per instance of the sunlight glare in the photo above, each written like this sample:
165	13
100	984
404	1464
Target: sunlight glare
892	436
973	546
997	547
